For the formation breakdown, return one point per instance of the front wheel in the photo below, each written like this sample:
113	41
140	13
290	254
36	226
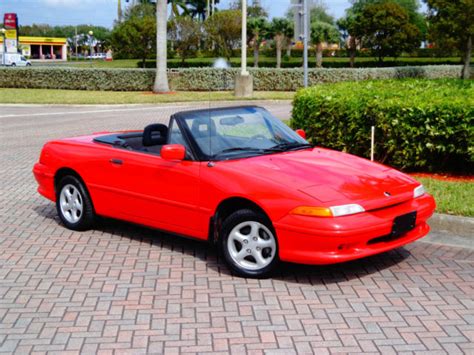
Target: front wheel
73	204
249	244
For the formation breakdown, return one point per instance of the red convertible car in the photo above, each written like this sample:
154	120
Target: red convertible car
242	179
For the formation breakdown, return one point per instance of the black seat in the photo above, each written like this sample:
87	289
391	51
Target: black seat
155	134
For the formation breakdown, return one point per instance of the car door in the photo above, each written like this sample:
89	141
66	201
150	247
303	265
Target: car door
158	193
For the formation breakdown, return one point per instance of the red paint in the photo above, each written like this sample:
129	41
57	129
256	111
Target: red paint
182	196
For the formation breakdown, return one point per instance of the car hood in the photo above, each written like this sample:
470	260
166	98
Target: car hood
331	177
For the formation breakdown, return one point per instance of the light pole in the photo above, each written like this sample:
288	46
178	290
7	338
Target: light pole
244	81
4	46
305	42
91	34
243	62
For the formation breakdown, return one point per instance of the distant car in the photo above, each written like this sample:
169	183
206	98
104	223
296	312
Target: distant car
242	179
14	60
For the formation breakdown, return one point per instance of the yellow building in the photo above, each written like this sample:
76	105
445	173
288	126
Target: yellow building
41	48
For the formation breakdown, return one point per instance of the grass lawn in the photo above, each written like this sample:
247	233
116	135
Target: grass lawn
78	97
451	197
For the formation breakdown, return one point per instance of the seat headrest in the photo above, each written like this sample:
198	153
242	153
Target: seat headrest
203	127
155	134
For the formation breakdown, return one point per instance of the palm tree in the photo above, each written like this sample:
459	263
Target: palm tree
322	32
257	30
161	78
279	29
176	5
198	8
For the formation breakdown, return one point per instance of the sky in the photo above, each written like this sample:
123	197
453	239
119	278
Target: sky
104	12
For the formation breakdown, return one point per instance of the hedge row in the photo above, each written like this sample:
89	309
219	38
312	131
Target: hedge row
298	63
420	124
203	79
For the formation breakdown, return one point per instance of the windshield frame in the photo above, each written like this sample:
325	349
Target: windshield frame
181	117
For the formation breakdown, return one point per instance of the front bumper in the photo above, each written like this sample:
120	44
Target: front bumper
45	179
313	240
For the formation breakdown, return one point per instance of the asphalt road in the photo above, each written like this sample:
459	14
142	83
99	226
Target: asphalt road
125	288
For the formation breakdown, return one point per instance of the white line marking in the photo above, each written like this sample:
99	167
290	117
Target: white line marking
91	111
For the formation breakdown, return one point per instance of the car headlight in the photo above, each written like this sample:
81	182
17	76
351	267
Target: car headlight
333	211
418	191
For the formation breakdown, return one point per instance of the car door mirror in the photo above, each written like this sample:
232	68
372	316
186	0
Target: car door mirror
173	152
301	133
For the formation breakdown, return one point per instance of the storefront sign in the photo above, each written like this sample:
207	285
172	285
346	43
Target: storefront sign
11	34
10	21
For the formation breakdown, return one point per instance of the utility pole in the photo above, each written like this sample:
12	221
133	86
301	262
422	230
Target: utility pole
305	42
243	80
119	11
75	39
302	32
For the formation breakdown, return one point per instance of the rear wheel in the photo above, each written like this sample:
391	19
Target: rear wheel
249	244
73	204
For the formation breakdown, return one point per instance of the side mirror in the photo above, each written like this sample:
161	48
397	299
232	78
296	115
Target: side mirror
301	133
173	152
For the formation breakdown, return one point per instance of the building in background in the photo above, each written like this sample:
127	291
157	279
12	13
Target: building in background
40	48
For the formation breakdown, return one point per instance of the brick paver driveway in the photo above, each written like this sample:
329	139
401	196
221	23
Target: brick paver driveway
125	288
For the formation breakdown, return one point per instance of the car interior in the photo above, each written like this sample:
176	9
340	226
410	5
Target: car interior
151	140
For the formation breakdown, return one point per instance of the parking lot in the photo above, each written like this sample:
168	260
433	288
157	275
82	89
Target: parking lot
126	288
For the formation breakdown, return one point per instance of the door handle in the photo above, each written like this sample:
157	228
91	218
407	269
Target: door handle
116	161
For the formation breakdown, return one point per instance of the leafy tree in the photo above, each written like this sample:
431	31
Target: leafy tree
411	6
385	29
319	13
135	36
452	25
322	32
279	28
253	11
186	33
257	30
224	28
347	27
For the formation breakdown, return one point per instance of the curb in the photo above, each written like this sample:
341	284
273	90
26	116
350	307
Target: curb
462	226
451	230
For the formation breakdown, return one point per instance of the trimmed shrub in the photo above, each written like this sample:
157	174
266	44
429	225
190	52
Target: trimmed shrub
420	124
203	79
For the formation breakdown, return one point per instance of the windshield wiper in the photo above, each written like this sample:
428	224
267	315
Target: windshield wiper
282	147
238	149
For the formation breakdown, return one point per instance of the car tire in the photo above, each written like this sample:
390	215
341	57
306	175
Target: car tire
249	245
28	64
13	65
74	204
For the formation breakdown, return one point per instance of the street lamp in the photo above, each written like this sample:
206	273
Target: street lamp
244	81
4	46
91	34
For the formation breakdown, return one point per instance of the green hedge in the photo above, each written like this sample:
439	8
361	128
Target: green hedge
295	62
420	124
203	79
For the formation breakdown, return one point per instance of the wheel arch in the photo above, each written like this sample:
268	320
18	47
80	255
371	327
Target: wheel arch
228	206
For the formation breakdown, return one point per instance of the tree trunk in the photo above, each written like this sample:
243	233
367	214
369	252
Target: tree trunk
161	78
278	50
288	50
255	54
352	50
319	55
466	70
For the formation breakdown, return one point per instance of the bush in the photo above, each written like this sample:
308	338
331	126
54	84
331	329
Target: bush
202	79
420	124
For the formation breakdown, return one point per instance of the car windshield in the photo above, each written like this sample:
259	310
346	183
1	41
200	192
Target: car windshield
232	133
